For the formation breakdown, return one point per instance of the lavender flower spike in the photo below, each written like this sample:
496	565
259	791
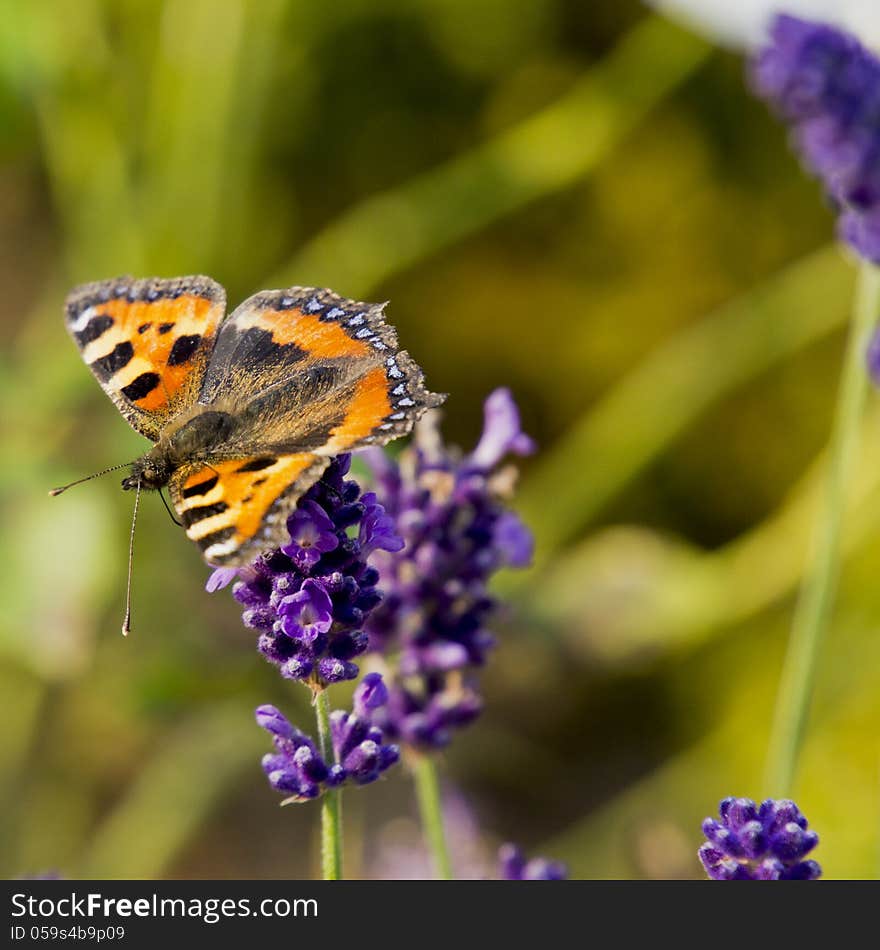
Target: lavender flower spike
297	769
359	745
514	866
309	600
451	513
826	86
752	843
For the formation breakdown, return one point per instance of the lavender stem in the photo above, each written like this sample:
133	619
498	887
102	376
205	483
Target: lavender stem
816	596
424	772
331	801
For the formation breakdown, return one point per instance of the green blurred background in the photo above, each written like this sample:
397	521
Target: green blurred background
579	201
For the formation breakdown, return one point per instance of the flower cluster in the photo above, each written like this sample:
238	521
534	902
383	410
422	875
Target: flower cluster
310	598
827	86
450	511
514	866
361	754
752	843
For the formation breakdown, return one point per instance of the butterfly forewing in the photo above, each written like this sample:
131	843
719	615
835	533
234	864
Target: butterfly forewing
312	371
147	342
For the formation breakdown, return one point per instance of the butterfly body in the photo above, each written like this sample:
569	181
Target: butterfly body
201	437
245	411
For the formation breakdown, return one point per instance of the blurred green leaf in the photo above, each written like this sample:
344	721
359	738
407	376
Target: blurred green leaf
190	127
545	153
627	596
652	829
173	794
658	399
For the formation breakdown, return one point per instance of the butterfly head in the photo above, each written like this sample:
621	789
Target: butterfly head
152	471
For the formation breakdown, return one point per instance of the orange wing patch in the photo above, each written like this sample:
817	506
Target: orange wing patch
320	340
370	406
147	342
235	508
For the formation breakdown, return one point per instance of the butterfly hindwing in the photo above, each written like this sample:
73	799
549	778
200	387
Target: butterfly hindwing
236	508
312	371
147	342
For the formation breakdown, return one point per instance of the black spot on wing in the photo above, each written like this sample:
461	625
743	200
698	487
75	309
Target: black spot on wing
249	349
257	465
215	537
95	328
109	364
183	349
144	327
258	345
141	386
165	327
202	488
193	515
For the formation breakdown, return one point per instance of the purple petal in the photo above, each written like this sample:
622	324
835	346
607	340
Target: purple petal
740	812
308	612
513	540
512	862
370	694
220	578
826	85
363	762
271	719
805	871
770	869
377	529
335	671
752	838
501	432
543	869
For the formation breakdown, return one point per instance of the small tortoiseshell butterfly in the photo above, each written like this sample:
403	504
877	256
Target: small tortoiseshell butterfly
245	411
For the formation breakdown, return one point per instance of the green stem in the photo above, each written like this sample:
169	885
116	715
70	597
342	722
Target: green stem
331	801
424	772
816	596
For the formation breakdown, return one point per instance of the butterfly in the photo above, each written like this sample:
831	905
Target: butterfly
245	411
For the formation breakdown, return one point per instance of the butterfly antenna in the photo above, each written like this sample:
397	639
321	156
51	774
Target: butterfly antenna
126	622
88	478
170	512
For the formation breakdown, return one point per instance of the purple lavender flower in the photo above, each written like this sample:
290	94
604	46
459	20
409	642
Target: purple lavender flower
826	85
297	768
312	534
514	866
502	434
310	599
306	614
451	513
358	744
377	530
752	843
